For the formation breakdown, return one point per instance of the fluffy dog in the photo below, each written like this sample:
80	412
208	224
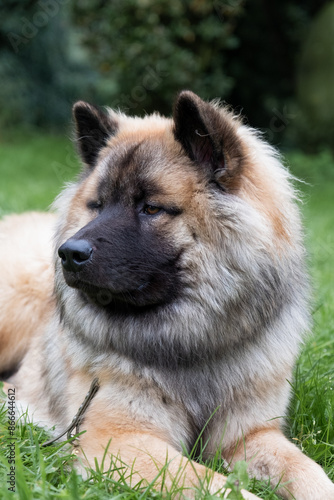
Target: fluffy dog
177	281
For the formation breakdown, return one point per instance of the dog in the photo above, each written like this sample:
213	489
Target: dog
172	283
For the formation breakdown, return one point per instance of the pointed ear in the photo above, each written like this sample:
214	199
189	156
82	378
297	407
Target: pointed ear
208	136
93	129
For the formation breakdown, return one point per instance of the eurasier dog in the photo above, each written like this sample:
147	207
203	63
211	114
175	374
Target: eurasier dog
177	286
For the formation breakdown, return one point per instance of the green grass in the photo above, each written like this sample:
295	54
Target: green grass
32	170
311	421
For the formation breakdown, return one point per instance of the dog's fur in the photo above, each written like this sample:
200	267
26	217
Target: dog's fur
190	308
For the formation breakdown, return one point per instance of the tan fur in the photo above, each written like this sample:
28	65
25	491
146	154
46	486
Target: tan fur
260	188
29	238
268	450
77	214
148	452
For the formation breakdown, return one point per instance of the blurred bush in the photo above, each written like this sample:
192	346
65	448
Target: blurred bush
136	54
245	52
149	50
39	79
315	89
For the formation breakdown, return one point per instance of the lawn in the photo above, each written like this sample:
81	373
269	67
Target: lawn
33	168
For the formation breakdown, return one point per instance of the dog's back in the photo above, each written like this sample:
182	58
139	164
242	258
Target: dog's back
26	283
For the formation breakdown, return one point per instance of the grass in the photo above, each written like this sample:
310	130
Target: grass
311	420
32	169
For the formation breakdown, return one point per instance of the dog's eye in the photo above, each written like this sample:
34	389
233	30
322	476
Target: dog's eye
94	205
151	210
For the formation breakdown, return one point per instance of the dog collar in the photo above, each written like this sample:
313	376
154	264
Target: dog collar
79	416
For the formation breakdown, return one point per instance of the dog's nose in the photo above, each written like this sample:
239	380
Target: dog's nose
75	254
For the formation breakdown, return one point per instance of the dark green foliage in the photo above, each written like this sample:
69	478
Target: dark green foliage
264	63
316	83
38	79
245	52
149	50
137	54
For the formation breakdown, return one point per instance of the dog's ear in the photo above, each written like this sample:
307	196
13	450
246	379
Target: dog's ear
208	136
93	129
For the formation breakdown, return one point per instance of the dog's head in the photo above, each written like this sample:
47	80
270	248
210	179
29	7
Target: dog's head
170	215
145	198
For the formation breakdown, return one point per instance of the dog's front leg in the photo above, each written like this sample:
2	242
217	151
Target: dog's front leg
270	455
138	456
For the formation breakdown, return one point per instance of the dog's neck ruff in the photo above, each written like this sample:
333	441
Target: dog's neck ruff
79	416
